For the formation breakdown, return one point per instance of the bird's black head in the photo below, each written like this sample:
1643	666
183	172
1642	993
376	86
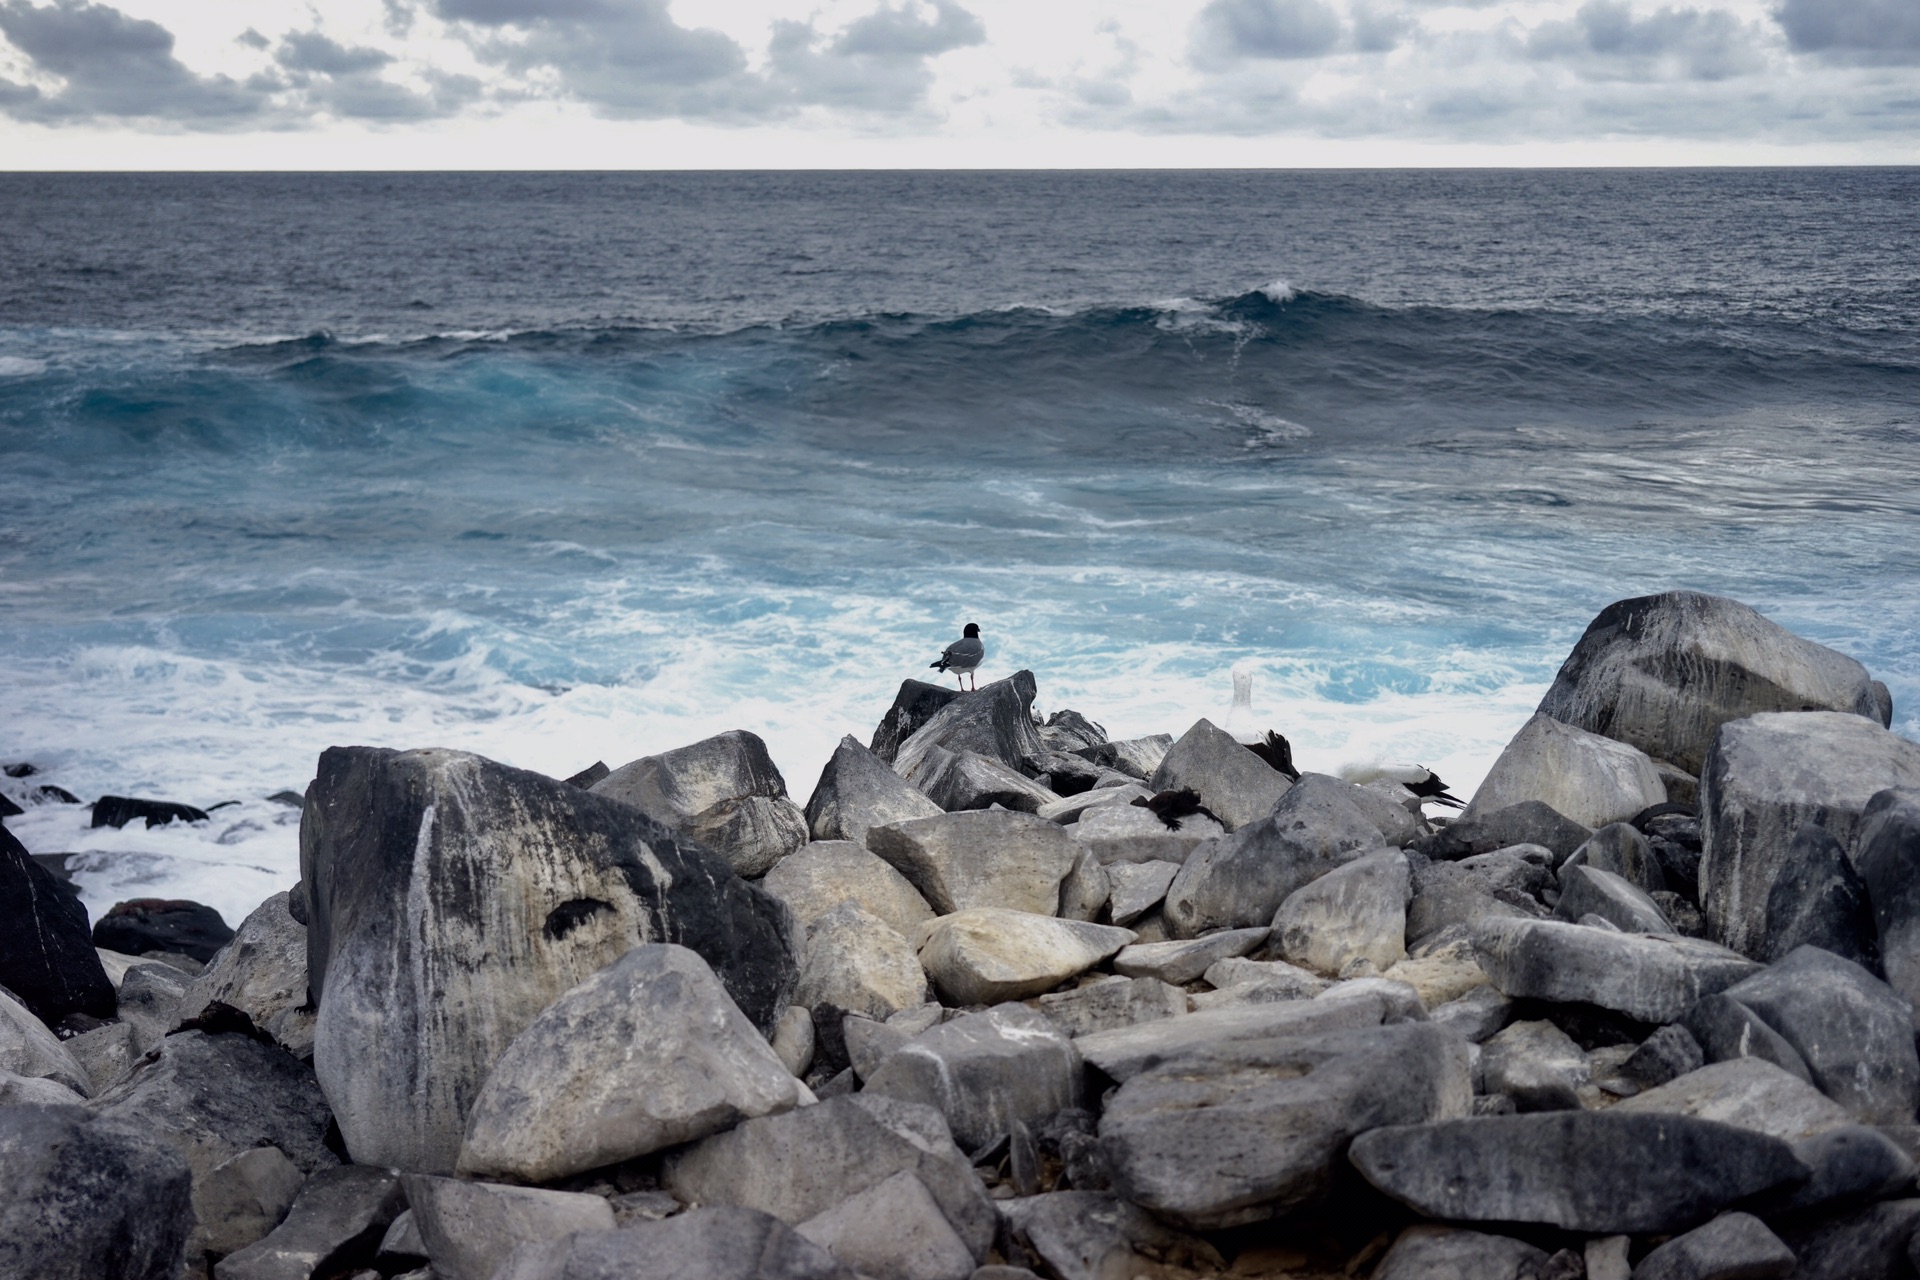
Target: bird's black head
972	631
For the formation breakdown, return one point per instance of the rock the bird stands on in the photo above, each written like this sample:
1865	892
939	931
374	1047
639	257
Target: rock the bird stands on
1008	998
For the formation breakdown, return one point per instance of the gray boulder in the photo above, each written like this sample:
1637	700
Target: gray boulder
1086	890
1872	1241
802	1163
1621	849
1183	960
1251	1130
28	1049
793	1040
991	858
1135	757
1126	1052
470	1229
753	833
150	1000
450	899
1664	672
859	791
246	1196
1530	822
1766	777
1667	1054
1734	1246
988	954
1068	730
893	1228
1748	1093
1590	779
106	1053
1649	977
1537	1065
1136	888
1452	895
827	873
1600	1173
985	1072
857	962
1070	809
1238	786
88	1197
1110	1003
338	1220
1850	1164
961	780
723	792
1289	981
1587	890
703	1244
1426	1252
570	1094
1852	1031
1126	832
1095	1235
47	957
996	722
1476	1015
1819	900
263	973
19	1090
1354	912
1726	1029
916	703
1889	866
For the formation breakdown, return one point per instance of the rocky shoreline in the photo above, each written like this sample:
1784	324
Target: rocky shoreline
1645	1007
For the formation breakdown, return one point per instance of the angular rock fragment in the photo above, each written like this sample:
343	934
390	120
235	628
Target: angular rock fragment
961	780
245	1197
1726	1029
1475	1015
1530	822
470	1229
1449	895
262	973
996	722
753	833
1354	912
1732	1245
1537	1065
1440	974
1092	1235
1425	1252
1619	848
1586	890
1819	900
1241	879
827	873
1287	981
452	899
1650	978
1124	1053
1853	1243
338	1220
1111	1003
1071	809
859	791
162	924
856	962
47	958
1747	1093
28	1049
988	955
1590	779
1889	866
985	1072
1135	757
1665	1055
992	858
724	792
703	1244
150	999
1766	777
1138	887
1086	889
1237	786
1851	1164
1126	832
1601	1173
1182	960
914	705
893	1228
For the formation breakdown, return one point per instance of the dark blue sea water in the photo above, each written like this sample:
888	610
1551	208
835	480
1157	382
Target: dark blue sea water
566	467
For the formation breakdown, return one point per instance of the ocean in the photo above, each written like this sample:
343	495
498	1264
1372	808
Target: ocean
566	467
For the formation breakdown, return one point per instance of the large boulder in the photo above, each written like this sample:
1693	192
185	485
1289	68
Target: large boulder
1537	1065
46	951
1451	895
1764	778
451	899
827	873
987	858
262	973
172	925
1134	757
1853	1243
1734	1246
247	1196
1747	1093
989	954
1726	1029
29	1050
570	1094
1820	900
1428	1252
957	781
1248	1130
1530	822
916	703
1353	913
1598	1173
718	1243
996	722
1664	672
88	1197
1237	785
802	1163
1124	832
1182	960
1586	891
753	833
1620	849
985	1072
723	792
471	1229
1588	778
1889	868
857	962
1650	977
858	791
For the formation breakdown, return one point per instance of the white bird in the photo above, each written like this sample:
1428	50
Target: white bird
963	656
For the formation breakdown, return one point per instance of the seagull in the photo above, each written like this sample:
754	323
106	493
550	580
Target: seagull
963	655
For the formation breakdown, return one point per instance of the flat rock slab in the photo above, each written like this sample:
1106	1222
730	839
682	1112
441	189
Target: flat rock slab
1094	1235
720	1243
1648	977
338	1220
471	1228
1588	778
989	858
1124	833
1601	1173
1112	1003
985	1072
989	955
1732	1245
1588	890
1454	1253
826	873
893	1228
1125	1053
1748	1093
1183	960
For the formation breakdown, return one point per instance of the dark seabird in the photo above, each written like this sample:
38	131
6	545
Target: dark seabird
963	655
1276	751
1171	806
1431	788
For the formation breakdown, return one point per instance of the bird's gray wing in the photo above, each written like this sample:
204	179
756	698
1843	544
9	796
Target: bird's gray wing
965	652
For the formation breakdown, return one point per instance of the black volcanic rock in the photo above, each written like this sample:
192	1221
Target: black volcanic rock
46	954
88	1197
118	811
144	925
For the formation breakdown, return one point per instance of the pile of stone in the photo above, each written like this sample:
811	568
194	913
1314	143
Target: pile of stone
1645	1008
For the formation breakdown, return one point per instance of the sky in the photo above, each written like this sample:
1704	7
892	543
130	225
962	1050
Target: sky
660	84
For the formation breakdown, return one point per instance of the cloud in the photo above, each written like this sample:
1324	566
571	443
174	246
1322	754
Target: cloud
311	51
113	67
1869	31
1227	30
1605	40
878	63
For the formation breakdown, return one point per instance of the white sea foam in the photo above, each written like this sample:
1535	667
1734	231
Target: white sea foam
21	366
1278	292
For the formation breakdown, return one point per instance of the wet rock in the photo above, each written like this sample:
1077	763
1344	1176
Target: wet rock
800	1164
1650	978
452	899
1852	1031
118	811
1126	1052
1734	1246
1093	1235
47	958
1600	1173
570	1094
1853	1244
471	1228
159	924
28	1049
753	833
1135	757
916	703
1237	786
1537	1065
1355	912
1530	822
1475	1015
1587	890
993	858
1086	890
1254	1129
984	1072
996	722
1111	1003
988	954
859	791
1619	848
856	961
1426	1252
1766	777
1727	1029
1590	779
245	1197
1181	961
1664	672
1665	1055
703	1244
338	1221
827	873
1850	1165
1819	900
1747	1093
262	973
1889	866
1123	833
87	1197
957	781
893	1228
